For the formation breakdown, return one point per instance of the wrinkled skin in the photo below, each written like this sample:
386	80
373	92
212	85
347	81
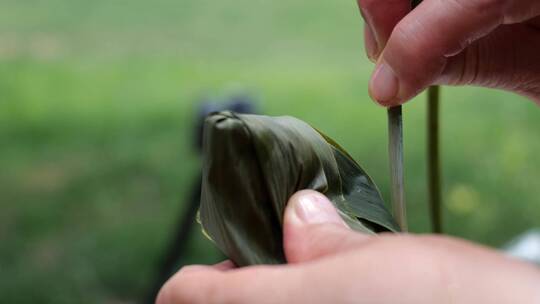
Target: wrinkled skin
332	264
489	43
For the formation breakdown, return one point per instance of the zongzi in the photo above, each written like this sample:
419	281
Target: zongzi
253	164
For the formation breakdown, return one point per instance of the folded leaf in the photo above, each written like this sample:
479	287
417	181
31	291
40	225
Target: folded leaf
253	164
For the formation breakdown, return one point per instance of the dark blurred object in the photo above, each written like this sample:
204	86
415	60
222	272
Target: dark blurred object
178	245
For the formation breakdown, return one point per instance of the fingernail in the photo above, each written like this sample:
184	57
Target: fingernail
315	208
372	48
384	84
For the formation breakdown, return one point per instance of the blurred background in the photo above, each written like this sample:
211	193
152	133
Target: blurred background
98	103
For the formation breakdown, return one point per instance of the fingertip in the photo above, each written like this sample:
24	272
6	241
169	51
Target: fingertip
190	284
163	296
221	266
311	225
384	84
224	266
311	207
193	268
384	104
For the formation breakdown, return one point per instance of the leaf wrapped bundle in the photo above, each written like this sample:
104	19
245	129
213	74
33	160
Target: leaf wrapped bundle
253	164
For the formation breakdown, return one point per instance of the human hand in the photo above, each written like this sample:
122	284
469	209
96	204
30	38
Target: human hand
329	263
489	43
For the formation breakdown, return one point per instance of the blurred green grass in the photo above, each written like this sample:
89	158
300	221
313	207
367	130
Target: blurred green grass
96	112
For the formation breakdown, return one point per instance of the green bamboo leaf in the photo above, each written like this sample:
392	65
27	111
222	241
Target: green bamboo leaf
253	164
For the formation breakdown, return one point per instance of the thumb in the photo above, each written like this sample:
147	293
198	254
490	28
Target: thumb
312	229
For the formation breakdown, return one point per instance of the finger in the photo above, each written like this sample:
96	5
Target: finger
261	284
313	228
224	266
506	59
381	17
418	48
194	268
372	49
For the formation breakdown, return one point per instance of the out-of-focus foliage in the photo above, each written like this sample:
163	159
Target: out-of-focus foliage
96	105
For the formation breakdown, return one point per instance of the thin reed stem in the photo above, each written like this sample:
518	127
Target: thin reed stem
434	159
